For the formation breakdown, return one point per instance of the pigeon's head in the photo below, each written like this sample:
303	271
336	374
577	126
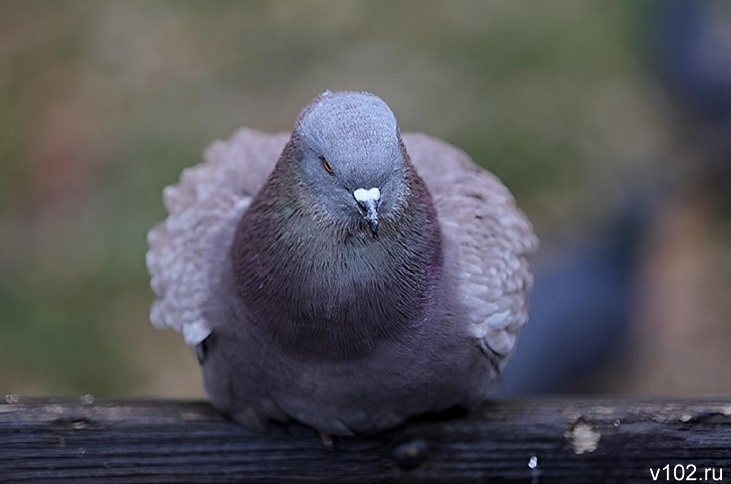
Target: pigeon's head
351	157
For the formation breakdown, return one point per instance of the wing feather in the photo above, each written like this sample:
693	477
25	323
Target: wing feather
187	250
491	236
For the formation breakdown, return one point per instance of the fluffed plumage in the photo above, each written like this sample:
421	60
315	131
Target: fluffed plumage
348	314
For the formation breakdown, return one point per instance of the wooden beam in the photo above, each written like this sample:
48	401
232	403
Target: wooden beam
554	440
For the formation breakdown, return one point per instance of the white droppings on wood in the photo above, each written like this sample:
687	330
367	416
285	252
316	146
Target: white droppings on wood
583	437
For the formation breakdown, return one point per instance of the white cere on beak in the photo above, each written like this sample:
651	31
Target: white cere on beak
368	201
364	196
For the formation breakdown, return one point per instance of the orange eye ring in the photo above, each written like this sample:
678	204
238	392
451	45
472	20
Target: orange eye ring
326	165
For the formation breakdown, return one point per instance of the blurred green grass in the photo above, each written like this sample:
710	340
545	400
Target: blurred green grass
102	104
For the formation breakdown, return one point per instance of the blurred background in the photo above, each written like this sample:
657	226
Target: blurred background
609	121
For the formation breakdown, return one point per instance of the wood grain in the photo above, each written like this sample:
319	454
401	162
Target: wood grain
567	440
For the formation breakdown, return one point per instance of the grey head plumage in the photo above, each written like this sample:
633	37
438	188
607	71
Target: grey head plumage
355	138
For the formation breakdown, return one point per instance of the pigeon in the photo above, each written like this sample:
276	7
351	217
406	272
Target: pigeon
341	275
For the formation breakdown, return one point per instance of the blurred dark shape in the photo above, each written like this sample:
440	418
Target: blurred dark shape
580	308
690	54
582	302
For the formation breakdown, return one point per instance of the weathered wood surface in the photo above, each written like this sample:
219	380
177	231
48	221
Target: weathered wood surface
547	440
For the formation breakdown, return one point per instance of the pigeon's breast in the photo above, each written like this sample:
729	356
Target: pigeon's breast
330	292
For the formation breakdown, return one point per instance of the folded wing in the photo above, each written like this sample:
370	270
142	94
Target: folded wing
492	239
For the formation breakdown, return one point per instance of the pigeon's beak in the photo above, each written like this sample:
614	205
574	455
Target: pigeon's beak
368	200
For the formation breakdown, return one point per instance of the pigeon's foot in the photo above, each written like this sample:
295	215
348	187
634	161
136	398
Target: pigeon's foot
327	440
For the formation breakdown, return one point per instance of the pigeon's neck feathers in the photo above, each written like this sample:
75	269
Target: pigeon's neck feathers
329	288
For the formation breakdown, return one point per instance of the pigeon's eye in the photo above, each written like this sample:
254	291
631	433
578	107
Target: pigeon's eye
327	166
